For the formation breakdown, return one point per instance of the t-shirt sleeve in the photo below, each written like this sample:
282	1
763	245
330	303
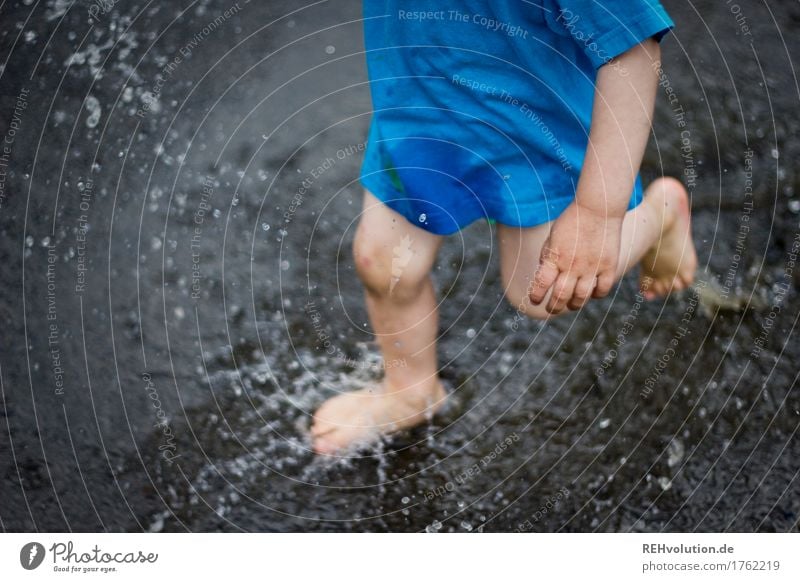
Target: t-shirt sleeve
605	29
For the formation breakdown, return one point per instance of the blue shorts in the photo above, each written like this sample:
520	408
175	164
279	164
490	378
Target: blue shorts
482	110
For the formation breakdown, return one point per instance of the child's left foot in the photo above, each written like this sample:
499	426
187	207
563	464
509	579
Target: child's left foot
671	263
361	417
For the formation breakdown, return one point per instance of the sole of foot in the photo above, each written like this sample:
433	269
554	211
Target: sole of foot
671	263
360	418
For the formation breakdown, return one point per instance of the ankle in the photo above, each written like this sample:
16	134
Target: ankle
664	210
670	196
413	390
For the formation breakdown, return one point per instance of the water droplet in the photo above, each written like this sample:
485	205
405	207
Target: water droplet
423	217
330	49
264	226
604	423
434	527
471	333
405	500
93	107
674	452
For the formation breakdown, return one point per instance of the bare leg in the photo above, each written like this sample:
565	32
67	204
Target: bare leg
393	258
656	234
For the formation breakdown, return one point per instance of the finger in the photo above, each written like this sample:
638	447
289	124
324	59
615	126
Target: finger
544	277
583	292
605	282
562	293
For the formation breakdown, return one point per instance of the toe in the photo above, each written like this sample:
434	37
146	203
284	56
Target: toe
324	446
655	290
319	426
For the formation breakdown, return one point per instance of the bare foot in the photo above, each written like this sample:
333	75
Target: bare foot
671	263
361	417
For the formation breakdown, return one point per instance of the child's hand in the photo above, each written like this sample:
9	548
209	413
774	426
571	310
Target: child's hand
578	260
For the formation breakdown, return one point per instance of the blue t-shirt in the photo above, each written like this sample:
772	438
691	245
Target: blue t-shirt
482	109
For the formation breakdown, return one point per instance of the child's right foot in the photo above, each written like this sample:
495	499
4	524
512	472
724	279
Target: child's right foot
361	417
671	263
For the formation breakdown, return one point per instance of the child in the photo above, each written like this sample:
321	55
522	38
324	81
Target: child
532	115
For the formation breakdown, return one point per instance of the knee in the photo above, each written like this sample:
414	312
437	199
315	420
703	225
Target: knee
387	270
